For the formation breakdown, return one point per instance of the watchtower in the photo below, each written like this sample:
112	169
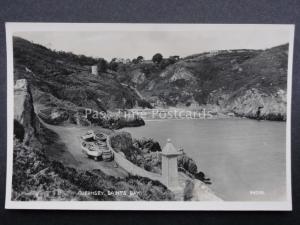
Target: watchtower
169	165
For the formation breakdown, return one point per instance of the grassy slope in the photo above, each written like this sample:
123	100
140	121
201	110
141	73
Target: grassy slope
65	76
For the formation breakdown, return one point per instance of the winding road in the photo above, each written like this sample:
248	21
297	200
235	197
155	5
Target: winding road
67	150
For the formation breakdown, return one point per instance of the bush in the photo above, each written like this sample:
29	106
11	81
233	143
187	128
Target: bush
102	65
157	58
147	144
144	104
187	163
121	142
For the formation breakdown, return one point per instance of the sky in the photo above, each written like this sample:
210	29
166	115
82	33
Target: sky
132	43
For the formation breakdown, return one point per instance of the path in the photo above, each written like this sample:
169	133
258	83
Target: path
73	156
68	150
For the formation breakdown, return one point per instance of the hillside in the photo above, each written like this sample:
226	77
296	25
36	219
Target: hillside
65	76
233	81
226	82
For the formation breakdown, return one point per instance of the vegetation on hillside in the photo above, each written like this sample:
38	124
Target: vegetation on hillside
222	78
67	76
35	177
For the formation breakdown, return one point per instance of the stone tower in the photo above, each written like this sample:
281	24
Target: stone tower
169	165
94	70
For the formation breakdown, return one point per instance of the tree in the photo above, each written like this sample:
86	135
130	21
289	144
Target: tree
157	58
140	59
164	63
113	65
102	65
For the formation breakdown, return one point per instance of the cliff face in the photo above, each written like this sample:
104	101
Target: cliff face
33	177
236	81
273	105
25	121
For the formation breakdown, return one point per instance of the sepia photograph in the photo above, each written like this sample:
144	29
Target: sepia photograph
149	116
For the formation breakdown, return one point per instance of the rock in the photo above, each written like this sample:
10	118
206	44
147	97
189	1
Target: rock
121	141
196	190
187	163
182	73
138	77
24	116
273	105
147	145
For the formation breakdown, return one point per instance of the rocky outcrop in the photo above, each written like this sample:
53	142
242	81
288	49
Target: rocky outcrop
138	77
196	190
187	164
147	145
273	106
24	116
54	116
181	73
121	142
247	103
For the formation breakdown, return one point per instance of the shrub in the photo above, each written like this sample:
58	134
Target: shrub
157	58
121	141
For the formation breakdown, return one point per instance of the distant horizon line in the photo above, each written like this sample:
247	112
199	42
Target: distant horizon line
149	59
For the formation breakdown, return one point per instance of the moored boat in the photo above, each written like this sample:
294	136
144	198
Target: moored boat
95	146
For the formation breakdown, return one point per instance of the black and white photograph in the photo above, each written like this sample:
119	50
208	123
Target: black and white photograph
149	116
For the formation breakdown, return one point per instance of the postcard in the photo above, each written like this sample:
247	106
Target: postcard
149	116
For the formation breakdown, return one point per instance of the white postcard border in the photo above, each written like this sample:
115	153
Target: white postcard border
140	205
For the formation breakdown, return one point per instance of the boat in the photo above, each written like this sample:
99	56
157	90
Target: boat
95	146
107	155
90	135
101	136
91	150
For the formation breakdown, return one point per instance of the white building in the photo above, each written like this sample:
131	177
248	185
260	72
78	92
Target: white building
94	70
